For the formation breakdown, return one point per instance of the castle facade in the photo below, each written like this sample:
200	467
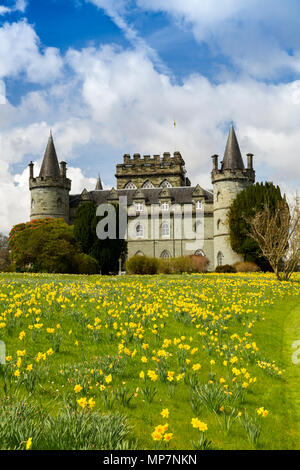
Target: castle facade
157	192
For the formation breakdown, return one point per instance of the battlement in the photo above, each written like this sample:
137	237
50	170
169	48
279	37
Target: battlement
48	181
154	170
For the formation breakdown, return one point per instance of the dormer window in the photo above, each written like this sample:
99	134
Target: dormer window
139	206
147	185
165	184
165	206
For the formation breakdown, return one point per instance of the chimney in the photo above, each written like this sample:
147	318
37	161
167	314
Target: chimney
215	161
250	161
63	169
31	165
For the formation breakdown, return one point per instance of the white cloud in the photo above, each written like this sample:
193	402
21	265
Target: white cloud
20	5
117	99
20	52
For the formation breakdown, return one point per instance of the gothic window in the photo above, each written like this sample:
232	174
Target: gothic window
199	253
147	185
164	206
130	185
165	254
165	230
220	257
165	184
139	206
139	253
139	231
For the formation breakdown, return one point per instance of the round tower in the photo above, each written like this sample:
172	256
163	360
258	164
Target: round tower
50	190
228	180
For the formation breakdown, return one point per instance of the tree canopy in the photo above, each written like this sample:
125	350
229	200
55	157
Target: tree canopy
246	205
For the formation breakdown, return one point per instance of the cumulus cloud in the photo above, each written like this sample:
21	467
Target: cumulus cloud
117	99
20	52
20	5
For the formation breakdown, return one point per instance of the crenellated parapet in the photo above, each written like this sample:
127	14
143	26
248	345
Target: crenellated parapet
137	169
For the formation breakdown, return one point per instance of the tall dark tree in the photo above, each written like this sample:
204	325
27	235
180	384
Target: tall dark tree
107	252
246	205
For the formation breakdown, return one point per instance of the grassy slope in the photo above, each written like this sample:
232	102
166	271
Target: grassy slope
274	337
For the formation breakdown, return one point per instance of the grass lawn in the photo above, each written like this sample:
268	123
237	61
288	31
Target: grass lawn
91	362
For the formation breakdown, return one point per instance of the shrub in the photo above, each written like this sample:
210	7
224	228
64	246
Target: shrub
246	267
200	263
227	268
85	264
142	265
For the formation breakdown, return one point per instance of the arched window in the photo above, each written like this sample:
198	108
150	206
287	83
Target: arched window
147	185
199	253
165	230
130	185
165	184
139	253
218	196
165	254
139	231
220	257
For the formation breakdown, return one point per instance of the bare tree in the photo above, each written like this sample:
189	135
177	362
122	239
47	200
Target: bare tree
277	233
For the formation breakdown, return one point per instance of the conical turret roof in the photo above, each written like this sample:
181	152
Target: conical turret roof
98	184
50	166
232	158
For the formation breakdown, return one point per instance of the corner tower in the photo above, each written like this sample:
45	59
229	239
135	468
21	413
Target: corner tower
50	190
228	180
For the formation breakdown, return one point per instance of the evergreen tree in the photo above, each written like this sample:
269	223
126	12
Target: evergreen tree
248	203
107	252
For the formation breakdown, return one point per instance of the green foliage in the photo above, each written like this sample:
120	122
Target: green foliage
106	252
4	253
142	265
48	245
248	203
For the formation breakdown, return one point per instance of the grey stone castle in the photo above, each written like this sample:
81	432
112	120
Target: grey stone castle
149	182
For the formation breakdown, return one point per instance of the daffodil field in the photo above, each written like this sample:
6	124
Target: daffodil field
154	362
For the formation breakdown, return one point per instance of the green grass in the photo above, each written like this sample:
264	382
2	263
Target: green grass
220	315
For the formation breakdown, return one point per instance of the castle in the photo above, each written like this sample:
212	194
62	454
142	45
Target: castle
154	182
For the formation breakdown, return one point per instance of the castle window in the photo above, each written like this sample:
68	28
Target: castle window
139	231
165	254
139	206
130	185
199	253
32	204
218	224
164	206
199	205
148	185
165	230
220	257
218	196
165	184
139	253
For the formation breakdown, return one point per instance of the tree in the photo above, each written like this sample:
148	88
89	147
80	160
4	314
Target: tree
277	233
246	205
48	245
107	252
4	253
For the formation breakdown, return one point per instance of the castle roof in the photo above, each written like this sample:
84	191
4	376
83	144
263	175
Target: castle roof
232	158
179	195
50	166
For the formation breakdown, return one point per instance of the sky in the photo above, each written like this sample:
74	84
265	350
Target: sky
109	77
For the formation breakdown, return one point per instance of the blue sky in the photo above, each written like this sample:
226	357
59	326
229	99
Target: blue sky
109	76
